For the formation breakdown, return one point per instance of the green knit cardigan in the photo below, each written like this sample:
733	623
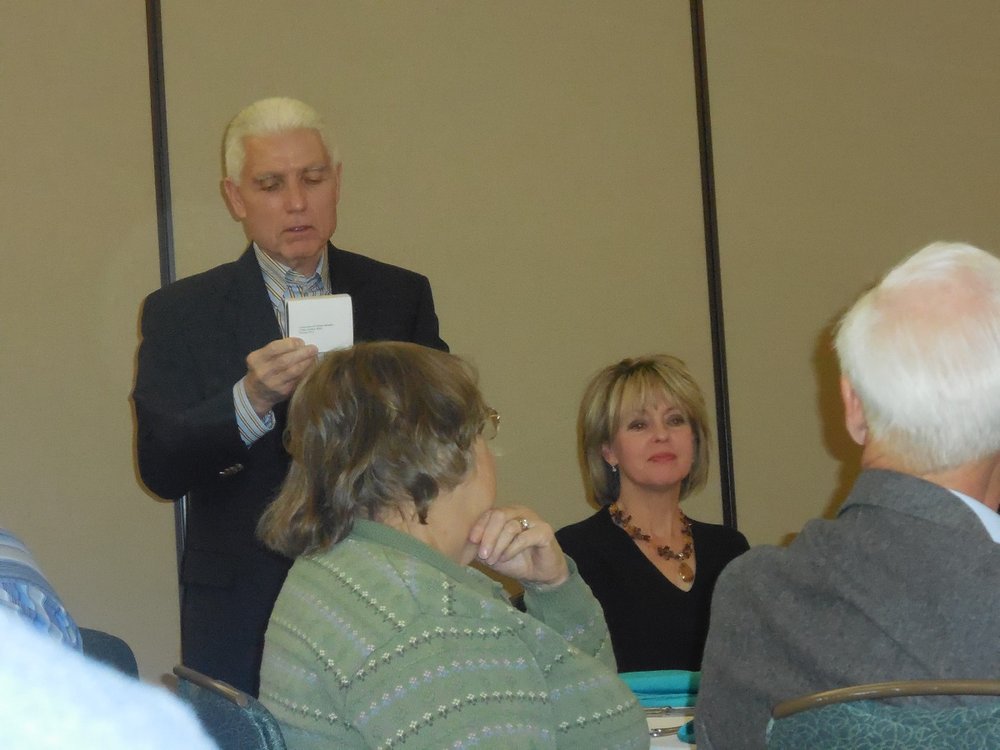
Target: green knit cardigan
382	642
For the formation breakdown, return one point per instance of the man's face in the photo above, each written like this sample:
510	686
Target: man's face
287	196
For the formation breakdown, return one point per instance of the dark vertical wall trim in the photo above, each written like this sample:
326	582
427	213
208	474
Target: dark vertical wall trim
713	266
161	163
161	177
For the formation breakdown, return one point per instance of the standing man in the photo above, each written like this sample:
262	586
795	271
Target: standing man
215	370
905	583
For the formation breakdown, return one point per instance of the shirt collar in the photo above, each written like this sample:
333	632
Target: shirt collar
274	272
987	516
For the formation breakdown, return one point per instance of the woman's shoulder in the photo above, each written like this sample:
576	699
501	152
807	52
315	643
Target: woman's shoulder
594	526
718	535
366	576
358	577
380	596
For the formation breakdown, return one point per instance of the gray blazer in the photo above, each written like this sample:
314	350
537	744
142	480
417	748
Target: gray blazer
904	584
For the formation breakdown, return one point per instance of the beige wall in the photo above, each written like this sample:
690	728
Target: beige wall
539	161
540	166
79	252
846	135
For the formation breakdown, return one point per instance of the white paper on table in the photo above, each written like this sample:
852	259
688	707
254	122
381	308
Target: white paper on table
326	320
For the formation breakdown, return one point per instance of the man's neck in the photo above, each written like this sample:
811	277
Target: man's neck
979	480
305	269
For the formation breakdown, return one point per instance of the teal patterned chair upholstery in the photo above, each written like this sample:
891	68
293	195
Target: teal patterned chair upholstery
234	719
859	717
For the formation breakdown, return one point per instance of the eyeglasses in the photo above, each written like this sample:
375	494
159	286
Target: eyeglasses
491	424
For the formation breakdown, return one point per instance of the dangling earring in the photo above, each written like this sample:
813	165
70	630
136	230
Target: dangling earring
614	468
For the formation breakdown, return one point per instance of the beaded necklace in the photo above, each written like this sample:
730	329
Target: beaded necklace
624	522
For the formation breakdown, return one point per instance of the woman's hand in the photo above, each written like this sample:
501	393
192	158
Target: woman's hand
516	542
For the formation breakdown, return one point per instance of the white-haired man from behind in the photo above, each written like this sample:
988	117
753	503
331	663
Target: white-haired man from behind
905	582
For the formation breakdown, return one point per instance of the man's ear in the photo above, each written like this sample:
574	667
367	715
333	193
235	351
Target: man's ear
854	413
234	200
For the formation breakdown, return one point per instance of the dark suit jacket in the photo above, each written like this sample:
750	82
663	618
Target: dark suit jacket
196	335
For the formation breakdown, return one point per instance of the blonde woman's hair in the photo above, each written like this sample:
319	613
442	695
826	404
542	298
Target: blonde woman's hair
623	386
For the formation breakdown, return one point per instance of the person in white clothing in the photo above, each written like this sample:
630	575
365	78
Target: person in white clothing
53	698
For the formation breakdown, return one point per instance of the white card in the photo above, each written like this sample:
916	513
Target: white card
326	320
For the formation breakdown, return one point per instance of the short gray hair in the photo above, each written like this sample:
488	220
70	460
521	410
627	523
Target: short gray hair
275	115
922	351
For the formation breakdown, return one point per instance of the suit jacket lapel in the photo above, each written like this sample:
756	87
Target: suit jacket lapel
249	306
343	276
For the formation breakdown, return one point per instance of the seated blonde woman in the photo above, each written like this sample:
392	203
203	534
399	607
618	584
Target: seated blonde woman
644	439
383	636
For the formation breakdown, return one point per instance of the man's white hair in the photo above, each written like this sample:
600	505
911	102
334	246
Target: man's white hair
275	115
922	351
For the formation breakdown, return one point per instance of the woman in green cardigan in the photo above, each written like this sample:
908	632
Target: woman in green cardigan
383	635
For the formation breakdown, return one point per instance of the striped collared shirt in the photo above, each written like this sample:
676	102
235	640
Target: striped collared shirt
281	283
